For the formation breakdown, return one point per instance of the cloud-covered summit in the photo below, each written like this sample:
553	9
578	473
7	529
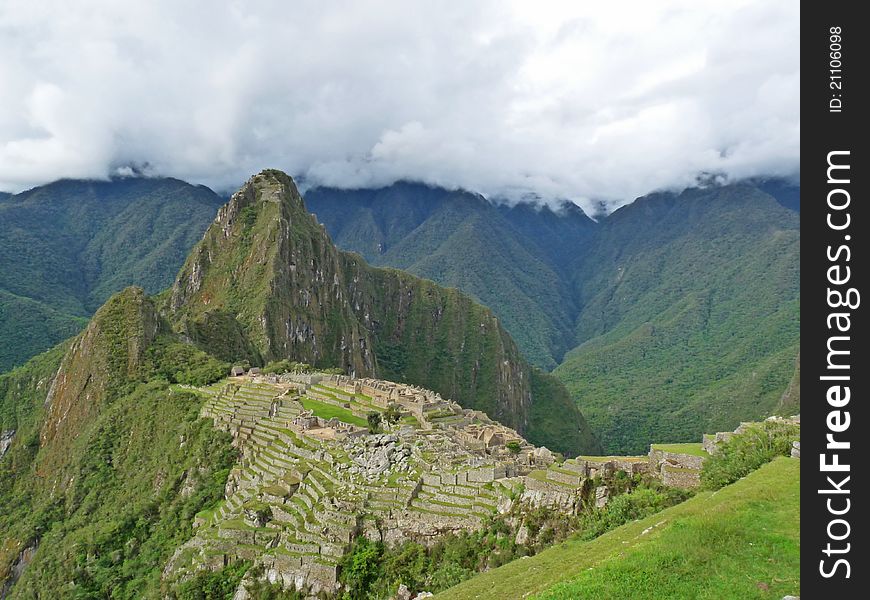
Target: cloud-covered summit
591	101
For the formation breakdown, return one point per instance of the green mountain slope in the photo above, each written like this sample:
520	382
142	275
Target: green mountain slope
108	463
719	544
67	246
26	326
508	259
675	315
267	283
690	317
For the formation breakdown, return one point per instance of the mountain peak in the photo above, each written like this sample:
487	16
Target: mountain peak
266	283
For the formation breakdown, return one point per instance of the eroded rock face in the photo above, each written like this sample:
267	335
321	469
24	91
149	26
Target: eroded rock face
6	440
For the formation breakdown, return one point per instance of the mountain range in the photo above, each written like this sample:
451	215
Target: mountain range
69	245
674	315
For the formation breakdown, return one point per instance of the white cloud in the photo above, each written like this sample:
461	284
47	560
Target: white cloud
583	100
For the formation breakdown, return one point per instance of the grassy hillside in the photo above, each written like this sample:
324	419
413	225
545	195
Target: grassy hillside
740	542
67	246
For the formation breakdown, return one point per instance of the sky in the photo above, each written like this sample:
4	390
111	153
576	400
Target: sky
594	102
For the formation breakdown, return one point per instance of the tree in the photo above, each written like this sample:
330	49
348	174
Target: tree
393	414
374	420
514	447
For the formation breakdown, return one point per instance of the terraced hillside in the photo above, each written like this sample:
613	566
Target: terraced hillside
311	479
306	485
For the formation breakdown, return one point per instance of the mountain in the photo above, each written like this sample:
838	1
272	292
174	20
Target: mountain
690	318
511	259
266	283
67	246
108	461
619	308
677	313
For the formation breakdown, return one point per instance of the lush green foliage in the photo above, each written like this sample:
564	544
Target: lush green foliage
690	320
28	327
130	461
714	545
746	452
184	363
373	419
67	246
631	506
285	365
213	585
554	421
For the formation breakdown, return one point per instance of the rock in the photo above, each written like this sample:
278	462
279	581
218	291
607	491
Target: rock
602	495
795	449
791	598
422	595
522	535
6	440
403	593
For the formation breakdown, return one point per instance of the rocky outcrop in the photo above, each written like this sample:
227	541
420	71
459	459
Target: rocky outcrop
6	440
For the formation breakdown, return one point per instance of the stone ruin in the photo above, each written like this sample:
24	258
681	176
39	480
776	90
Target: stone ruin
306	486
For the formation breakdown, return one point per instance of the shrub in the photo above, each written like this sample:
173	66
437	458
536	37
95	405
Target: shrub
374	421
747	451
393	414
213	585
361	567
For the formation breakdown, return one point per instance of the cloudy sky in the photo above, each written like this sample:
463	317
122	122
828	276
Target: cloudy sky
586	100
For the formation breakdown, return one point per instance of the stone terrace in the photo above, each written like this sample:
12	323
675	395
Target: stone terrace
309	481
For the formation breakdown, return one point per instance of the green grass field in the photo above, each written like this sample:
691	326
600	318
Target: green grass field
695	449
327	411
742	542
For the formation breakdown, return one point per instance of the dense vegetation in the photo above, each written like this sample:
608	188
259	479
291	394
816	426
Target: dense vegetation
372	570
742	541
746	452
108	489
67	246
691	321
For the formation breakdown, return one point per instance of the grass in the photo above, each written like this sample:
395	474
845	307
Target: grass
742	542
328	411
691	448
619	458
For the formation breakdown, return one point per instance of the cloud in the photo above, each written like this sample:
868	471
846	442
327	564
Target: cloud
590	101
